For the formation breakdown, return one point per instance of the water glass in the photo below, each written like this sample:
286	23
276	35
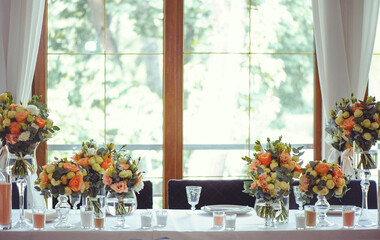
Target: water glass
161	218
300	220
311	216
298	197
230	222
39	217
218	219
86	216
146	220
193	193
348	213
100	214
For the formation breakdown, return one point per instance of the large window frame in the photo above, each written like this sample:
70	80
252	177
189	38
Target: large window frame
172	93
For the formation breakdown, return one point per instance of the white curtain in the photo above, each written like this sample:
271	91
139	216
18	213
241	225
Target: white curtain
20	32
344	33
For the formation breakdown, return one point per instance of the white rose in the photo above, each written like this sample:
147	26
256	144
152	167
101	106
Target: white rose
340	113
24	136
33	109
91	151
34	126
138	187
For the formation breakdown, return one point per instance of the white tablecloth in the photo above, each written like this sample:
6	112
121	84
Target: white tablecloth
183	226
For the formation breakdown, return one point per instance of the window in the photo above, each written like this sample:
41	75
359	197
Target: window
248	73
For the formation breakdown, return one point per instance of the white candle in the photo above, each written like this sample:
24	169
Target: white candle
86	218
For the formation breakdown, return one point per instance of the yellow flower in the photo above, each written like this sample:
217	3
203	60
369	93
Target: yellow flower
296	174
42	185
268	179
284	186
339	191
70	175
125	174
286	166
11	114
50	168
324	178
346	114
324	191
273	165
367	136
84	172
64	179
374	125
267	170
91	161
96	167
357	128
3	97
366	123
339	120
60	165
313	173
308	166
67	191
270	187
358	113
110	171
315	189
329	176
7	122
330	184
273	175
99	159
54	182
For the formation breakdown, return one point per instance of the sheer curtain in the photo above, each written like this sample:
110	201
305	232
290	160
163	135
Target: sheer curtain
20	32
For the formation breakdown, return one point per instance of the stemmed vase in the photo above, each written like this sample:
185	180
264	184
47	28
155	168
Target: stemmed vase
268	210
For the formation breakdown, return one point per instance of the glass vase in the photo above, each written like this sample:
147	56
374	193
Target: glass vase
364	162
321	208
283	217
121	206
74	200
268	210
21	163
62	208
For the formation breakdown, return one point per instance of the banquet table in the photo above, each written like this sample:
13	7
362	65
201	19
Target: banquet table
183	225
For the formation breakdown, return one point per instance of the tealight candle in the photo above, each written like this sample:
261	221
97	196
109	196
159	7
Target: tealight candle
218	219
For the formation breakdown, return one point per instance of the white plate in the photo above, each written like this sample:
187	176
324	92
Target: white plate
51	215
238	209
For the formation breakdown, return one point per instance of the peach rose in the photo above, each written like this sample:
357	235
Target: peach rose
120	187
11	138
44	179
14	127
253	185
107	163
14	106
76	183
264	158
285	157
304	184
339	182
358	106
40	122
297	168
322	168
348	124
70	166
378	120
124	166
21	116
83	161
107	180
77	156
253	165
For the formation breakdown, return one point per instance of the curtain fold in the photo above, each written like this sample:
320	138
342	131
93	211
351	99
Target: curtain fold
344	32
20	32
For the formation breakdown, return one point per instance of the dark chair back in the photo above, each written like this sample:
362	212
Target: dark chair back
213	192
144	198
352	197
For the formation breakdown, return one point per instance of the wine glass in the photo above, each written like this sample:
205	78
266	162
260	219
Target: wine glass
74	200
298	197
193	193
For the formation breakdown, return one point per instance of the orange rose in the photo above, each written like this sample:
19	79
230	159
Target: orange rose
378	120
338	182
285	157
14	107
40	122
348	123
76	183
337	172
83	161
264	158
107	163
11	138
44	179
304	183
21	116
253	185
297	168
77	156
253	165
70	166
322	168
107	180
14	127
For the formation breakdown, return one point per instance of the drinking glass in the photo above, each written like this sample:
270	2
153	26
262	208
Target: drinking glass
193	193
298	197
100	215
161	218
86	216
146	220
300	220
230	222
348	213
218	219
311	216
39	217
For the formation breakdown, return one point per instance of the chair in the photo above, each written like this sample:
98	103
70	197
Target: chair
213	192
352	197
144	198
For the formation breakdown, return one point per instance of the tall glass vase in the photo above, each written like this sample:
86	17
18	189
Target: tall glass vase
21	163
364	161
321	207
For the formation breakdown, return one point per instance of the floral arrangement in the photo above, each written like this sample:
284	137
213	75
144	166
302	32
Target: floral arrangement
61	177
272	170
358	123
22	128
323	178
122	178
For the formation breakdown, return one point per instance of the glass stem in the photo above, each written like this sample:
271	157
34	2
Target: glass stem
21	189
